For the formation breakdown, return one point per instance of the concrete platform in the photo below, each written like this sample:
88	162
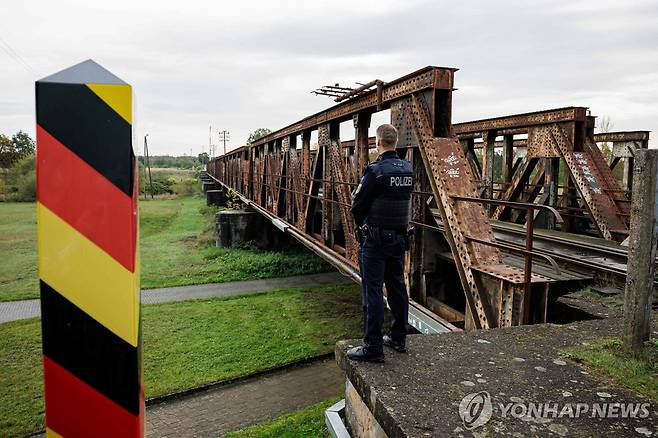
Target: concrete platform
494	376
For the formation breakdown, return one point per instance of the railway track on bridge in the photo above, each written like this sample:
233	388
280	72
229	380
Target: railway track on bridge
586	254
580	257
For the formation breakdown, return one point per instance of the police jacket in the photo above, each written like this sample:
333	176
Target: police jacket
383	197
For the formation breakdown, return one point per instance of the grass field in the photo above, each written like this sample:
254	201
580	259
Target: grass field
608	357
193	343
305	423
172	171
177	238
18	251
177	247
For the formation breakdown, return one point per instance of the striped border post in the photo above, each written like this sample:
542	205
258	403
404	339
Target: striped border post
88	254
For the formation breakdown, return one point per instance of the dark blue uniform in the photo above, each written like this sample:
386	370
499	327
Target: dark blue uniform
382	201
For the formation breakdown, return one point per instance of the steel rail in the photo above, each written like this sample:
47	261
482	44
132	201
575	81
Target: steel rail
581	261
507	247
518	250
608	254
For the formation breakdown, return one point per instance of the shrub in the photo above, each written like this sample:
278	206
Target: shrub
185	187
160	185
26	187
19	181
233	201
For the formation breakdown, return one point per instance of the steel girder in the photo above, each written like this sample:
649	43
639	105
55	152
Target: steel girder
310	192
564	134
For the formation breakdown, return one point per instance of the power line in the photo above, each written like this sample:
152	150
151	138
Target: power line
147	165
9	50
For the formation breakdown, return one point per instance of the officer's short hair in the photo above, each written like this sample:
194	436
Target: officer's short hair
388	136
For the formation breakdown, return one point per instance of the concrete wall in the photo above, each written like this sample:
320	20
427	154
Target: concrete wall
360	420
233	226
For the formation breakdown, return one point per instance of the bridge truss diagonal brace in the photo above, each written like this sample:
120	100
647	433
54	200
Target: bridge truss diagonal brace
340	177
614	188
297	184
444	160
516	186
590	184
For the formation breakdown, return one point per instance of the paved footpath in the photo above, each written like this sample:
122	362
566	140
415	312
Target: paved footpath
214	412
15	310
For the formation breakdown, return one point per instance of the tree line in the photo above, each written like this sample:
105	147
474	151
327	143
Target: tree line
17	176
13	149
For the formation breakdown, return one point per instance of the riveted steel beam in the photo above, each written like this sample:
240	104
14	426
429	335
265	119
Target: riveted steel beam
519	123
622	136
423	79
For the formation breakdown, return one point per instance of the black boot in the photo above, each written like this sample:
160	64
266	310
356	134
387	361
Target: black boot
399	346
363	353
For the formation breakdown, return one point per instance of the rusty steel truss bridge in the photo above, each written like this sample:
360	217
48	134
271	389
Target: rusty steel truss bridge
510	211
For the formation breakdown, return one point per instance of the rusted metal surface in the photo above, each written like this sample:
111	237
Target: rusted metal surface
522	174
528	253
519	123
424	79
339	173
309	191
624	145
449	173
516	186
622	136
362	90
609	183
593	201
591	185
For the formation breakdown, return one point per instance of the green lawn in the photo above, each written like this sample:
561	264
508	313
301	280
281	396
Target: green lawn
608	357
188	344
177	240
177	247
305	423
18	251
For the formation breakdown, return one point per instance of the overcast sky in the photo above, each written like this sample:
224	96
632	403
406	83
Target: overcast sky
246	64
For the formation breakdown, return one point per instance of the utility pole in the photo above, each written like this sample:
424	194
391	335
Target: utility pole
641	250
209	141
147	164
224	136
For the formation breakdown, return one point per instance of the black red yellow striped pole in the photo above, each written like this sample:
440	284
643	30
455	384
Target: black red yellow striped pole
88	254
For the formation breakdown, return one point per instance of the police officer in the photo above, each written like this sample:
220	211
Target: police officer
381	208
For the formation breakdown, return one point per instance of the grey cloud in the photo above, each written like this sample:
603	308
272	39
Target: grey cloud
192	64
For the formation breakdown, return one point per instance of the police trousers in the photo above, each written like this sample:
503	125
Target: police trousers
383	263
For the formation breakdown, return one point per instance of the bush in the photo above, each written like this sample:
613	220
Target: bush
233	201
160	185
185	187
26	188
19	181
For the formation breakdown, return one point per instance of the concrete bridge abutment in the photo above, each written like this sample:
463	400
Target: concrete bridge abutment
209	185
235	226
216	197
